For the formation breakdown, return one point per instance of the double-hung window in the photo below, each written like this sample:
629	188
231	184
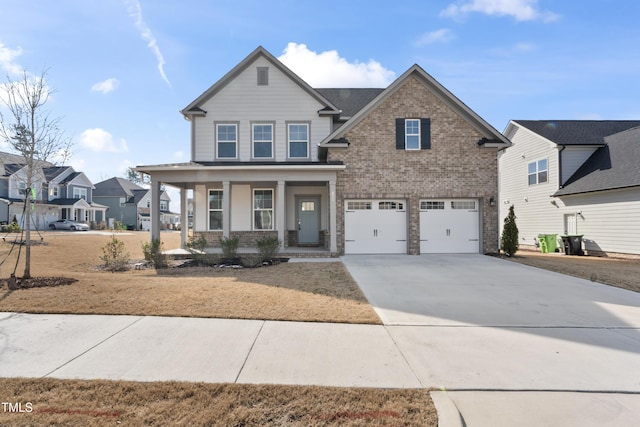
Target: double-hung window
79	193
262	141
263	209
226	141
215	209
22	188
412	134
538	172
298	140
53	191
164	205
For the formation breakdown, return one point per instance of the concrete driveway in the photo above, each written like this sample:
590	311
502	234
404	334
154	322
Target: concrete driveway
471	323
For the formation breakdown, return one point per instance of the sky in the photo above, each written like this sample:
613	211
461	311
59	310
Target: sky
123	69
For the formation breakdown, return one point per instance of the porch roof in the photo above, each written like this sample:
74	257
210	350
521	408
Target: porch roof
236	165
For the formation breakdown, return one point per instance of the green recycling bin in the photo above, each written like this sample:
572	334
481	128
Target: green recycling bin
548	242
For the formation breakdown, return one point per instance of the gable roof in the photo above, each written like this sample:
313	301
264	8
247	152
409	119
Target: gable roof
115	187
490	135
613	166
53	171
350	101
577	132
195	109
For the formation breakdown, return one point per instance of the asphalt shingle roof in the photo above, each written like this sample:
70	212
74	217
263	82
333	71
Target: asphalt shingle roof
614	166
350	101
115	187
577	132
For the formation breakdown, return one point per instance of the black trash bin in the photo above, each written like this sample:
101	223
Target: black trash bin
572	244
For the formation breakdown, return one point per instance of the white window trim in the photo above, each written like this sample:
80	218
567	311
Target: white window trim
537	172
22	188
289	140
218	141
407	134
79	192
273	137
209	210
164	203
54	190
253	210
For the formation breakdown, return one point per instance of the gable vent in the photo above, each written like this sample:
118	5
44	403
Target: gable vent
263	76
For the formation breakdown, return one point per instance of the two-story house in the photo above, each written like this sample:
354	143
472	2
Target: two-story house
575	177
130	204
403	169
59	192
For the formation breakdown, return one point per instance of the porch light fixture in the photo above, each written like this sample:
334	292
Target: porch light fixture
492	201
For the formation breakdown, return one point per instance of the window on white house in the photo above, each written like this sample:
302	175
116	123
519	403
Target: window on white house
538	172
164	205
412	134
263	209
298	140
22	188
227	141
79	193
262	141
215	209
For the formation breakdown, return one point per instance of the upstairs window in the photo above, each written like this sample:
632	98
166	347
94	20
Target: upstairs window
263	76
164	205
227	141
538	172
22	188
123	202
413	134
79	193
262	141
298	141
53	191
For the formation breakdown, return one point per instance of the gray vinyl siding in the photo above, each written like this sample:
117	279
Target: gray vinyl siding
4	188
127	215
244	102
573	158
532	203
608	219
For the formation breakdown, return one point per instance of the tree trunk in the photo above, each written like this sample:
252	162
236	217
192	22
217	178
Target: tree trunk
27	225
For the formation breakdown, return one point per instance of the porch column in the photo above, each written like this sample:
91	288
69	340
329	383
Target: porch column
184	224
280	213
333	218
155	209
226	209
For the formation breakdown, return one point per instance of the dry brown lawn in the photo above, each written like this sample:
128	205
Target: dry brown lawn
622	273
315	292
97	403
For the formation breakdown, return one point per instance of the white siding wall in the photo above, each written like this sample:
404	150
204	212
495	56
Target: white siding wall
608	219
573	158
243	101
532	203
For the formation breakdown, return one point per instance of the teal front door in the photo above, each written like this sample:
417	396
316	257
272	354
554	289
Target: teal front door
308	220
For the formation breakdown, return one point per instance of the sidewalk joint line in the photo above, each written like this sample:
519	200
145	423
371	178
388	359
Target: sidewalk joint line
403	356
94	346
244	362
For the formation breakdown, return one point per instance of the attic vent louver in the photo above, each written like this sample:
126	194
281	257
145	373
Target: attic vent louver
263	76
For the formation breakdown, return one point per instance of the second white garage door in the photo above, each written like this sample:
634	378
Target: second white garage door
375	227
449	226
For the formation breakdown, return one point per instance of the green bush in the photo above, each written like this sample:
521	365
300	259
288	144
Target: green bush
510	241
197	243
268	247
153	253
229	247
114	256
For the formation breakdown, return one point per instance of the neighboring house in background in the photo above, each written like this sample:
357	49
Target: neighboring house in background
60	193
406	169
130	204
574	177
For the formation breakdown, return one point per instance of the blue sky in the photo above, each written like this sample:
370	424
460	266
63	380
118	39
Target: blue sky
122	69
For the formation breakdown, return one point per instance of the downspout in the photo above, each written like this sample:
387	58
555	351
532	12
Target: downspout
562	147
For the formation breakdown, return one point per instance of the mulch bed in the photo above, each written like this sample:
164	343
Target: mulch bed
41	282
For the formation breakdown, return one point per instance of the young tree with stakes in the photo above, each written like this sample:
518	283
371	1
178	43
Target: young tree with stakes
29	130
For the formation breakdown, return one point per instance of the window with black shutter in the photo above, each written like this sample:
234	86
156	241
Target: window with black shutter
413	134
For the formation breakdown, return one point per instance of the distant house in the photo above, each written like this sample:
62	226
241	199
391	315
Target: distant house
60	193
405	169
574	177
130	204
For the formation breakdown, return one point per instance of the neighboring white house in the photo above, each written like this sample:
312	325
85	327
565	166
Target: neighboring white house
574	177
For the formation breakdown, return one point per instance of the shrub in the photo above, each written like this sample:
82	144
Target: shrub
229	247
197	243
153	253
114	256
510	241
268	247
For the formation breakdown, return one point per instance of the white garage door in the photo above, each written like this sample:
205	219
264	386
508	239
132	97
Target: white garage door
449	226
375	227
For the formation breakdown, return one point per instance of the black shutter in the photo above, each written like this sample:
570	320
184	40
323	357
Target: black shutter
425	134
399	134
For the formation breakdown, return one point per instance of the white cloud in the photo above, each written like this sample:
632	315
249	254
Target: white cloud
521	10
100	140
442	35
135	10
7	59
178	155
106	86
328	69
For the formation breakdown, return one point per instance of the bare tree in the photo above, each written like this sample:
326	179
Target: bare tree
29	130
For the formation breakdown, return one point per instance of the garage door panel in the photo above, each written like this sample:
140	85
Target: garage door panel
449	226
375	226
